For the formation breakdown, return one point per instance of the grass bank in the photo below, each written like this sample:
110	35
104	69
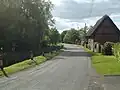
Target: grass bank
29	63
105	65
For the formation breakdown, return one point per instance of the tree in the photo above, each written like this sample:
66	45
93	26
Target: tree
82	34
38	14
23	21
71	36
9	16
54	36
63	35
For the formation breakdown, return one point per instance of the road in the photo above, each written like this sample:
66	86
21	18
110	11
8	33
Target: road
68	71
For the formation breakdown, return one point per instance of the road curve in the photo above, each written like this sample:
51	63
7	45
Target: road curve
68	71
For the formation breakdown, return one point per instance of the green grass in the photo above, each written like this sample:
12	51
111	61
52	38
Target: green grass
23	65
29	63
92	53
51	55
105	65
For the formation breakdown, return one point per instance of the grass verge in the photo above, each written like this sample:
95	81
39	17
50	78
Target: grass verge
29	63
105	65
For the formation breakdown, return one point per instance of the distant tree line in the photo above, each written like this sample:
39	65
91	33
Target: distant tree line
73	35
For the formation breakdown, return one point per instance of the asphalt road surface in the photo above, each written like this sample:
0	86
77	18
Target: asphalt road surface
68	71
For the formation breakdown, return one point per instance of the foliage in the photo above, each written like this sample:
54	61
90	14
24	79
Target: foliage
107	48
116	50
71	36
63	35
74	35
54	36
82	33
23	21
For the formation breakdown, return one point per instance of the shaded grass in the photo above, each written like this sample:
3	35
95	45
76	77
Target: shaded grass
23	65
29	63
92	53
52	54
105	65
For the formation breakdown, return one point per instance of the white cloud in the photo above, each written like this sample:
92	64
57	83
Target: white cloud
115	15
73	13
98	1
90	1
57	2
91	21
116	19
66	24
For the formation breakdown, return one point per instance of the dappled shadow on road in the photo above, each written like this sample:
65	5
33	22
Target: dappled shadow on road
58	58
75	54
72	48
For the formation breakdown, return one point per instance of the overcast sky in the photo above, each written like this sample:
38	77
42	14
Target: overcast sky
73	13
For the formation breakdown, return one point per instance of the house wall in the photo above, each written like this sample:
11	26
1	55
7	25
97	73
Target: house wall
106	32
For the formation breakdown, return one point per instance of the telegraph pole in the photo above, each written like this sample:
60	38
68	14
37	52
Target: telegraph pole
85	27
85	30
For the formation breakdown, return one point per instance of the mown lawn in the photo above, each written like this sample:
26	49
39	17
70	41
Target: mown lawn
105	65
29	63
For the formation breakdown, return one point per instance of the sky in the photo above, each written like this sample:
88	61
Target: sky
75	13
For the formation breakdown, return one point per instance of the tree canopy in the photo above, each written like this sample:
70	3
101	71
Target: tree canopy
54	36
63	35
71	36
25	23
74	35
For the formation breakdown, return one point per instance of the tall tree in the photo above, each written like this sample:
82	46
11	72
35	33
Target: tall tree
71	36
54	36
63	35
23	21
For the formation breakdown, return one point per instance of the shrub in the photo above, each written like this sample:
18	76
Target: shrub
62	46
107	48
82	43
116	49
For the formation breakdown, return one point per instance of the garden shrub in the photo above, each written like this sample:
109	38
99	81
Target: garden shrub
116	50
107	49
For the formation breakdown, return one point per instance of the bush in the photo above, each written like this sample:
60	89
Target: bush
116	49
107	49
82	43
62	46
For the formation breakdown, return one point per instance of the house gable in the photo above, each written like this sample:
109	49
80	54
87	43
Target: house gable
104	30
107	27
98	24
